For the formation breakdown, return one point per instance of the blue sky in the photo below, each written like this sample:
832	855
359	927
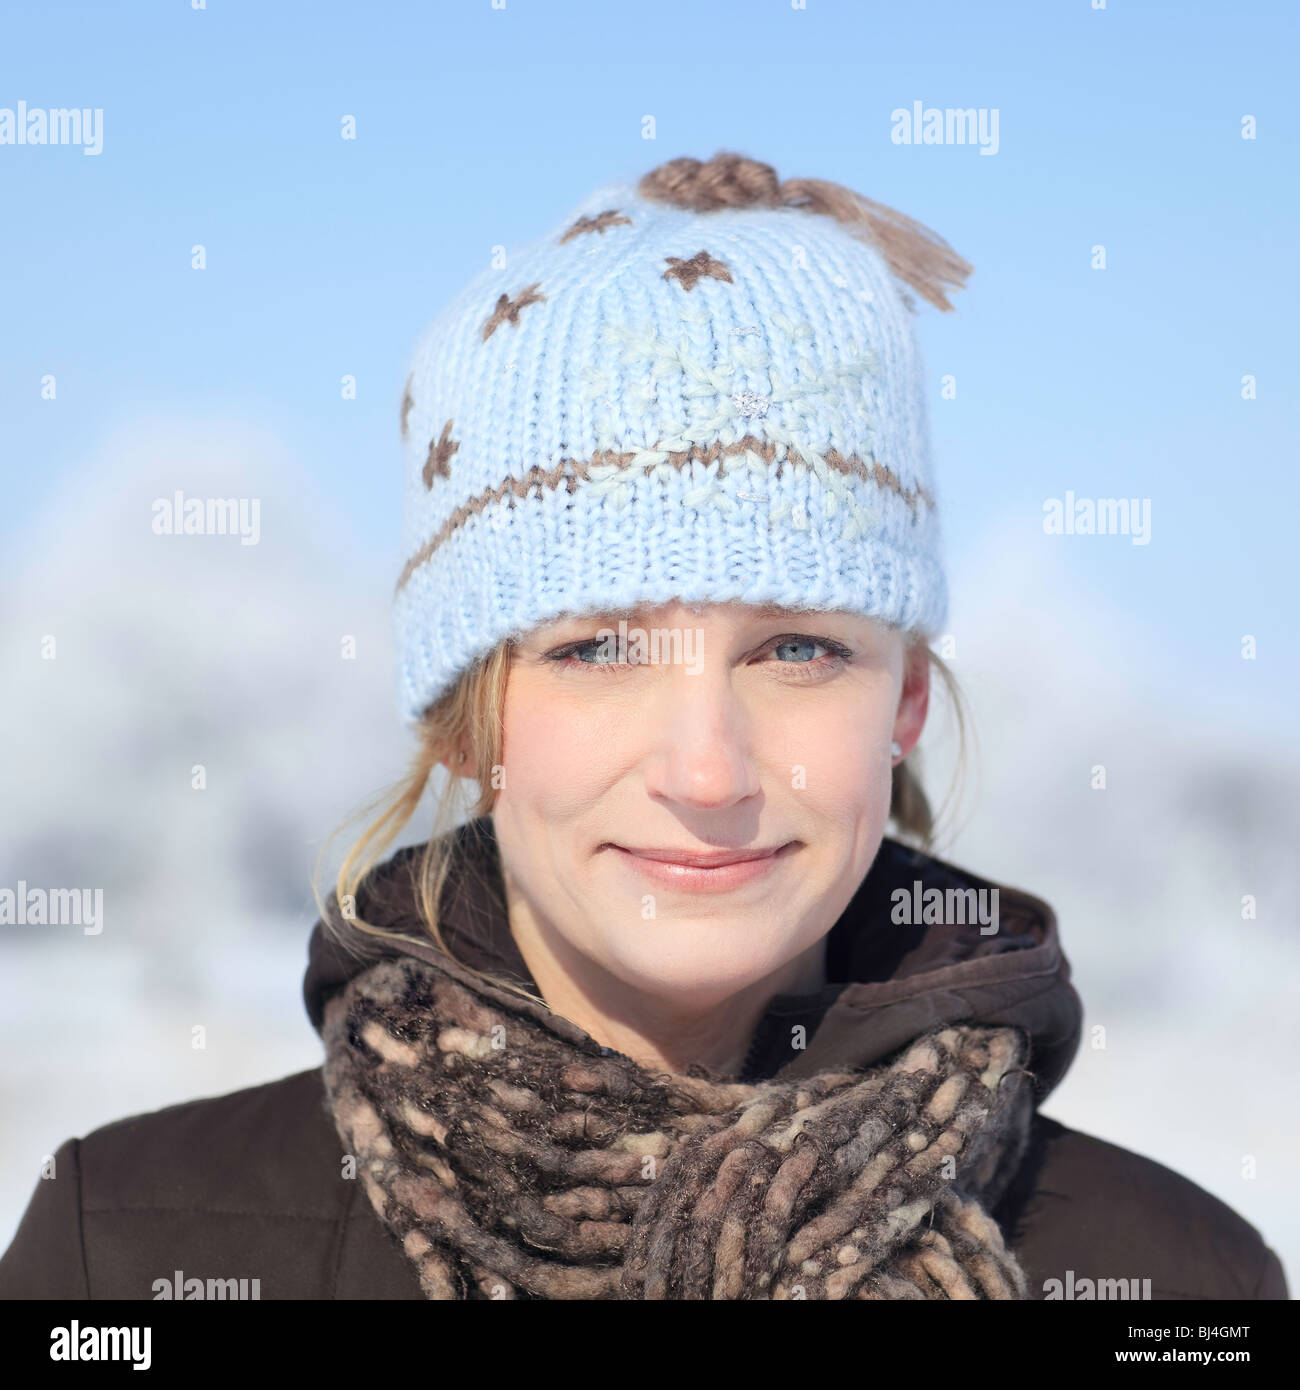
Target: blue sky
477	126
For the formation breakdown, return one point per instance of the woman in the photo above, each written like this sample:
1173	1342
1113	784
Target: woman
668	1016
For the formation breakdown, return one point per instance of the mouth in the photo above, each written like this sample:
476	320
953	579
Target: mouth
716	870
700	859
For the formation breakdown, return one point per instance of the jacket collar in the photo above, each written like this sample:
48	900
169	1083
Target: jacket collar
890	982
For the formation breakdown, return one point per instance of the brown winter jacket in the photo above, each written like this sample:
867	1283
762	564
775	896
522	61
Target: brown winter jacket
251	1185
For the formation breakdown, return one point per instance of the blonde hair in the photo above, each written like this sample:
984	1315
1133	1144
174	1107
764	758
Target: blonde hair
466	725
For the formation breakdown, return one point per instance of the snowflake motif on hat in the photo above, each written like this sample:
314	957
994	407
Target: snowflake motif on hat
717	399
750	404
721	409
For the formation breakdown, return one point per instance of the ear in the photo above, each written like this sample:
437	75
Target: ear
913	700
459	763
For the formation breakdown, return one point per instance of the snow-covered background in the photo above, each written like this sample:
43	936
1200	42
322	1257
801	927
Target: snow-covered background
177	651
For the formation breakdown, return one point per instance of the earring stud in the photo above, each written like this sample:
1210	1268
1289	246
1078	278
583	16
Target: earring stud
895	749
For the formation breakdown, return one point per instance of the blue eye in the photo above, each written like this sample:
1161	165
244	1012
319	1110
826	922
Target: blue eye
598	651
798	642
605	655
837	654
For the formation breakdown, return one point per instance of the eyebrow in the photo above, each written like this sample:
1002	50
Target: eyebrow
757	613
769	612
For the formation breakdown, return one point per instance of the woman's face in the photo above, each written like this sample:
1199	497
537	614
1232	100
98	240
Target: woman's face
761	731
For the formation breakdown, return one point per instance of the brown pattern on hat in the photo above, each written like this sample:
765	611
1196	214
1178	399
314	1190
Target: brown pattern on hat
508	309
690	272
568	472
439	460
611	217
407	403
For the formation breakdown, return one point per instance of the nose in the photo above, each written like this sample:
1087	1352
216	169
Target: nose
699	742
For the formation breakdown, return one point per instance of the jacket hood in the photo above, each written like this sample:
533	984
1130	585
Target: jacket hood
890	981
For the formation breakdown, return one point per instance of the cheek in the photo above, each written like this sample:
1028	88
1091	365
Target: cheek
556	754
845	771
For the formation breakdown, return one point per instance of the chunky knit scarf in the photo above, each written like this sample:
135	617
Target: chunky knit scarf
513	1157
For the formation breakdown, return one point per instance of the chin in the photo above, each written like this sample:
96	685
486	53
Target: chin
680	971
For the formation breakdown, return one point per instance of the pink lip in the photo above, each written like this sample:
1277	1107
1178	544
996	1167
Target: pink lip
703	870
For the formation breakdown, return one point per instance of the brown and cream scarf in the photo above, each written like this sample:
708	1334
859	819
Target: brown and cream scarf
513	1157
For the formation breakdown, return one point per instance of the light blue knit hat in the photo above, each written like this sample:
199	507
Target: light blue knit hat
704	386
